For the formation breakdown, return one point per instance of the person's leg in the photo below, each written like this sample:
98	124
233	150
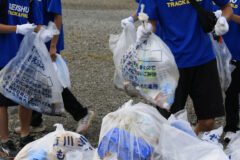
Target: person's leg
36	119
232	103
4	124
72	105
25	116
206	94
182	90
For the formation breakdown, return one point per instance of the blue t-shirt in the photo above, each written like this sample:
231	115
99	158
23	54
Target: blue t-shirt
232	37
17	13
49	8
182	30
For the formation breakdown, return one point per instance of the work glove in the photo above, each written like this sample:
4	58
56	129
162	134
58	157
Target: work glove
25	28
125	21
218	13
45	35
221	26
144	33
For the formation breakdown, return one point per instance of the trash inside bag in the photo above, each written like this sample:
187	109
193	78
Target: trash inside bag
29	78
233	147
119	44
223	57
61	68
56	145
150	68
132	133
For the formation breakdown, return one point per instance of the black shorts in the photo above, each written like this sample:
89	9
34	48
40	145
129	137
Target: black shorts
5	102
202	84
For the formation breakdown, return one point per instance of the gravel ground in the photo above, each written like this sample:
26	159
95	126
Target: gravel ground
87	26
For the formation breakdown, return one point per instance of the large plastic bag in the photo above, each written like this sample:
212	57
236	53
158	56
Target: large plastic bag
233	148
61	68
55	146
130	133
223	57
176	144
29	78
119	44
150	68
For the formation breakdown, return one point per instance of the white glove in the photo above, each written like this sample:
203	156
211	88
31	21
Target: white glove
218	13
45	35
125	21
25	28
143	34
221	26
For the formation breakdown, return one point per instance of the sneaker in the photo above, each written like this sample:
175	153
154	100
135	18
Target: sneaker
25	140
37	129
84	123
229	136
9	148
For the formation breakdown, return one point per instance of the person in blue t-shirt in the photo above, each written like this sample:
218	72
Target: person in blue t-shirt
52	11
193	53
232	103
14	18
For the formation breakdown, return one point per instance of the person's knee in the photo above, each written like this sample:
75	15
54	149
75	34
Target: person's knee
208	124
204	125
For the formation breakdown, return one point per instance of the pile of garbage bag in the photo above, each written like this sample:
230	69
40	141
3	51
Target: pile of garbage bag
134	132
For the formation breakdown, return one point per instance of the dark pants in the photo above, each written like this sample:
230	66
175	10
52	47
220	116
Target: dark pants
71	105
202	84
232	101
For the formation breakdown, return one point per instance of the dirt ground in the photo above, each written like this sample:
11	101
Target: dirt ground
87	26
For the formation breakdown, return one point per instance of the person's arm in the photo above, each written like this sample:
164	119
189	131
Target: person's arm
4	29
135	17
236	18
154	25
54	41
227	11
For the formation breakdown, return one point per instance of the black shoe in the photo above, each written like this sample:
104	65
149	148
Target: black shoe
25	140
9	148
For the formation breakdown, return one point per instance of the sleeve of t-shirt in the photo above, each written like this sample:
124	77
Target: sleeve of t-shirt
36	15
221	2
54	6
137	1
150	8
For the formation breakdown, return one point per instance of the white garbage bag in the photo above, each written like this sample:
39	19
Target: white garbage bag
213	136
119	44
55	146
233	147
176	144
61	68
29	78
223	57
130	133
150	68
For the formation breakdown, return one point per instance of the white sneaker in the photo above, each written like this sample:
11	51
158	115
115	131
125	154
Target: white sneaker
229	136
84	123
37	129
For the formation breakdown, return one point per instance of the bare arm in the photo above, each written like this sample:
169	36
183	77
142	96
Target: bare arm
135	17
154	25
53	45
236	18
227	11
4	29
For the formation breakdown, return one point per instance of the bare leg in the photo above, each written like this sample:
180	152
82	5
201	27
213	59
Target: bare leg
204	125
4	124
25	116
